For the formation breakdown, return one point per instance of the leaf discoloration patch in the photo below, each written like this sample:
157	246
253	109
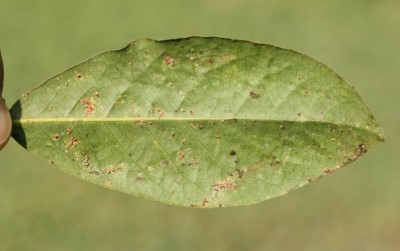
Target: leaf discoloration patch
88	105
71	143
169	61
226	185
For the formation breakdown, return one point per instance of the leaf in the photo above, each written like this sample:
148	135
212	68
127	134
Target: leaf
197	122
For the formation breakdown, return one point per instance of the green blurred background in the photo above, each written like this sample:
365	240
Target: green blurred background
357	208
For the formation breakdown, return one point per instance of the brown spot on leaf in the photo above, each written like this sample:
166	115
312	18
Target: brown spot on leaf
78	75
157	110
275	163
194	126
360	151
254	95
298	114
309	179
140	179
169	61
89	105
69	131
256	166
72	142
85	161
141	123
93	172
204	202
55	136
50	162
362	148
96	93
232	153
240	173
112	169
226	184
75	157
190	163
181	155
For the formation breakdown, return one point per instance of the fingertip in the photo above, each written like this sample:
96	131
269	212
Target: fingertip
5	124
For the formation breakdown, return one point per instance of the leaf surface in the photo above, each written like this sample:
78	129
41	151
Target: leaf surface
197	122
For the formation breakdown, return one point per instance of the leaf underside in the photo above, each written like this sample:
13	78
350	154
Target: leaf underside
197	122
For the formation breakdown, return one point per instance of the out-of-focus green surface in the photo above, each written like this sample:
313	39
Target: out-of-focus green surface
356	208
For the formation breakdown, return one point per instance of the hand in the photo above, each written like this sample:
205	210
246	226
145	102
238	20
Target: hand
5	119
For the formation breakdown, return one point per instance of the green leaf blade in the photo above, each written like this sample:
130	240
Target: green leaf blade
201	122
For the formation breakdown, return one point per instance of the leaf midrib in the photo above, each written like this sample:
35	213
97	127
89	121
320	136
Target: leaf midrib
128	119
134	119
